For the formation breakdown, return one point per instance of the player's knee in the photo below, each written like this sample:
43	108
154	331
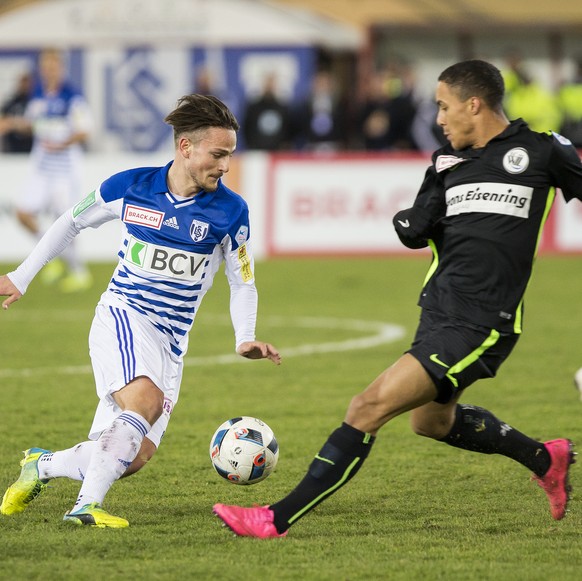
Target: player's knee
429	428
143	397
366	413
422	429
153	402
360	406
156	408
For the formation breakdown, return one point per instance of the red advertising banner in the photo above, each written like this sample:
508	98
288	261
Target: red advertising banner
343	204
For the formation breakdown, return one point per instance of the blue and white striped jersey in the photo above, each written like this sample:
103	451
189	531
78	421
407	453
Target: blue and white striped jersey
54	118
171	249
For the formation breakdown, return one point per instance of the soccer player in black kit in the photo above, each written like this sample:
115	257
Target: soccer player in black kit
481	209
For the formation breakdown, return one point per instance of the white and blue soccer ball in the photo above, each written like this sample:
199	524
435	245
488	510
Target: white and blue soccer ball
244	450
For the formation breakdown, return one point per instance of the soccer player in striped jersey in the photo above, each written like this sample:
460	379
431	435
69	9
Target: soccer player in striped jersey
180	222
60	120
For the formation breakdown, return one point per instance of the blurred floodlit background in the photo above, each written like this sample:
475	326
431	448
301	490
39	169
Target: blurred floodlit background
345	86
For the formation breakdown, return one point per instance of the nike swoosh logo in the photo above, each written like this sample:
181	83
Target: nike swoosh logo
434	357
405	224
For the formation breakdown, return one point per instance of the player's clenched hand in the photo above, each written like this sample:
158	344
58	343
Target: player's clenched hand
8	289
259	350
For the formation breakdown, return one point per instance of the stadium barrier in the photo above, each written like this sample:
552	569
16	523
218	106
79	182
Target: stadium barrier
301	205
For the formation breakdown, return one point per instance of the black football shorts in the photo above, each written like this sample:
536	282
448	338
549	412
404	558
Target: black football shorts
456	353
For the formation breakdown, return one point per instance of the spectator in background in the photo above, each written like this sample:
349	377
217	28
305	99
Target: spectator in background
59	118
425	132
403	107
14	141
570	102
319	120
375	117
203	82
388	111
526	98
266	119
514	71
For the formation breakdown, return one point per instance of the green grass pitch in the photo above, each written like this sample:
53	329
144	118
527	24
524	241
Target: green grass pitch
417	510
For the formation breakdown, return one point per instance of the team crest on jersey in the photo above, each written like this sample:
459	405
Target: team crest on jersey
446	161
516	160
198	230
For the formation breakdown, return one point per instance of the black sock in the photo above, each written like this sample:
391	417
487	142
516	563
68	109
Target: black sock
478	430
337	462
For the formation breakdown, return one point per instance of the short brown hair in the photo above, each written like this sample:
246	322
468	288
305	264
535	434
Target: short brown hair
195	112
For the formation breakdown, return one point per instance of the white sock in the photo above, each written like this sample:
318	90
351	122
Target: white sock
116	448
71	463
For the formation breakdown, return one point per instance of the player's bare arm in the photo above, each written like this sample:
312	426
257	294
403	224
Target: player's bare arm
14	123
259	350
7	289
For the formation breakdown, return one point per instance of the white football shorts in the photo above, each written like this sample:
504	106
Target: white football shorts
52	193
124	345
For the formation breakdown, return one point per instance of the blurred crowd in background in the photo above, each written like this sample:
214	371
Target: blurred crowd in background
386	113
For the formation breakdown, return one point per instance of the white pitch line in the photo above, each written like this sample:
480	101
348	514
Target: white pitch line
382	333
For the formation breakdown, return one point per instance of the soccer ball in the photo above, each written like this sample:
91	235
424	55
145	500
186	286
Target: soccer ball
244	450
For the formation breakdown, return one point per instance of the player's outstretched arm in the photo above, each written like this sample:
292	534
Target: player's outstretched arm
259	350
7	289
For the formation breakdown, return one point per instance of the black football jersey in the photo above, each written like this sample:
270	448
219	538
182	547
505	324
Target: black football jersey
482	212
